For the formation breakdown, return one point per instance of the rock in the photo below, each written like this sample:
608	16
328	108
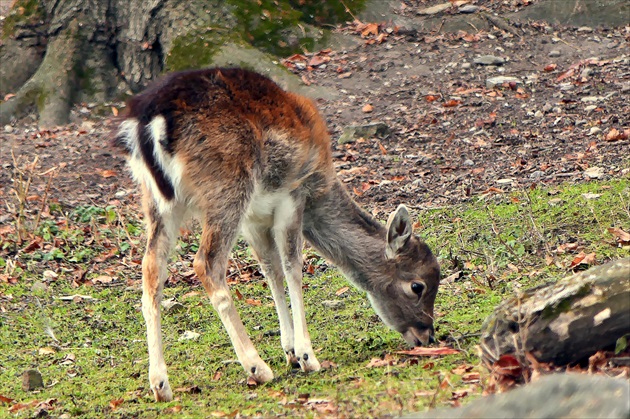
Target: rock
38	287
352	133
555	40
466	66
489	60
585	29
594	130
505	181
469	162
333	304
594	172
547	107
438	8
539	114
468	8
8	129
171	306
554	53
32	380
588	99
499	80
189	335
564	395
537	174
590	108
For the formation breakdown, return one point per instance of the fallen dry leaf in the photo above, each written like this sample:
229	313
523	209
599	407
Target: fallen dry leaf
328	365
173	409
583	259
462	369
369	29
367	108
107	173
114	111
377	362
21	406
239	296
614	134
4	399
115	403
253	302
471	377
423	351
507	365
102	279
550	67
342	290
622	237
451	103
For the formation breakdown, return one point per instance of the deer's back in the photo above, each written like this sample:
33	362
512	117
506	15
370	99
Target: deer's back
220	130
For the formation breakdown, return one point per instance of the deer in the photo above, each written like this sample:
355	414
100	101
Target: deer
233	149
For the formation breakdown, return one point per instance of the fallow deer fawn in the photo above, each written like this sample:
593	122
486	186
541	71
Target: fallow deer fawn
245	156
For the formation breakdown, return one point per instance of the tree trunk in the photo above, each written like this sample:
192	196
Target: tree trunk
563	322
60	52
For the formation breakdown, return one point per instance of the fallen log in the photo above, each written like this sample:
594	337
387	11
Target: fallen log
564	322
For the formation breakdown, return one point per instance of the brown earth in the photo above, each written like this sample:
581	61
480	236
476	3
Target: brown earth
451	139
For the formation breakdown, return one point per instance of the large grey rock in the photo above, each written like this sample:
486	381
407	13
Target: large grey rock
556	396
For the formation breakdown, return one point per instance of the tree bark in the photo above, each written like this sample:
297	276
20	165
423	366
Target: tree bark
68	51
564	322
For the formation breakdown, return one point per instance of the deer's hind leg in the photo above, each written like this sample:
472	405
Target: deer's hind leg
162	229
220	228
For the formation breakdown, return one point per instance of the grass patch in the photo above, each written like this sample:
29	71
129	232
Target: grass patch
92	351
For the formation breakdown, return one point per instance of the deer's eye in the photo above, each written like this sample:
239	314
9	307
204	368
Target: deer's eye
417	287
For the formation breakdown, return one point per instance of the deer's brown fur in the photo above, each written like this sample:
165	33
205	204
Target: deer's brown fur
231	147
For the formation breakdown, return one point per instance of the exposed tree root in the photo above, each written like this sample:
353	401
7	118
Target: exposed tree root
52	88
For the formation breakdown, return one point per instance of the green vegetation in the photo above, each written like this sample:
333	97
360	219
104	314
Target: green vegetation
92	351
22	12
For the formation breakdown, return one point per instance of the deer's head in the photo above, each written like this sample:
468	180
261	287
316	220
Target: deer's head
404	295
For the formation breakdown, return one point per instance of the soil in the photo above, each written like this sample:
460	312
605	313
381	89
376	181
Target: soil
451	138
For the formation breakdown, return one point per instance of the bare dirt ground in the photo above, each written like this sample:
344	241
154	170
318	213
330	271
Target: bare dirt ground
450	136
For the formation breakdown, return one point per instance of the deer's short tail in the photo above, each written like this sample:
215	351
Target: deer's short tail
151	161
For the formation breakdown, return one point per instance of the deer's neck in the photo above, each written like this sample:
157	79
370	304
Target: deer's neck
346	235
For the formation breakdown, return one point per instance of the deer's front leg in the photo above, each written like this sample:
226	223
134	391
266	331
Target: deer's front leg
288	237
265	250
161	231
210	264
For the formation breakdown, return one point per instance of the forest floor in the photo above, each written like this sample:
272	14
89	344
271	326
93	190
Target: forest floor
511	185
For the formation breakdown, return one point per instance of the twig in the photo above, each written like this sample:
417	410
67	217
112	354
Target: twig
440	28
531	219
39	214
508	248
348	11
435	394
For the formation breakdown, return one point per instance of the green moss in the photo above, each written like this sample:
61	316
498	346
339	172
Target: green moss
22	12
193	50
283	27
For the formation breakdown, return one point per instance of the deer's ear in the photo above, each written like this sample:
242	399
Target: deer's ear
399	229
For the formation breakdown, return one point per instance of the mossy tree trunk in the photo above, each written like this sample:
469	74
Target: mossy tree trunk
59	52
565	322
